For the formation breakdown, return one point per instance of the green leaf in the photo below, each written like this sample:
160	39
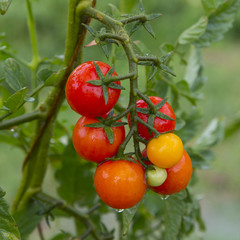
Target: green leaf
231	127
153	16
110	72
105	93
115	11
219	22
164	116
212	135
167	47
98	71
13	74
4	5
128	215
115	86
173	212
192	124
55	78
28	218
209	5
75	179
91	30
166	57
149	29
160	104
8	227
143	110
16	100
135	27
95	125
166	69
110	134
95	82
44	74
180	123
194	32
141	8
118	124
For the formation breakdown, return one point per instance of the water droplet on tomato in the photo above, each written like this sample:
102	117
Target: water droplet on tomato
119	210
12	130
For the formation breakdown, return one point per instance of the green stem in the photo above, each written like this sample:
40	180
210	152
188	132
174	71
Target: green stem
141	18
119	78
147	100
21	119
153	59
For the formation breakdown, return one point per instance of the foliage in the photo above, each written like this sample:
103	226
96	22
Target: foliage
24	84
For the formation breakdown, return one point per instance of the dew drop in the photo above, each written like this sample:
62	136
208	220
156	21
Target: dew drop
164	197
119	210
12	130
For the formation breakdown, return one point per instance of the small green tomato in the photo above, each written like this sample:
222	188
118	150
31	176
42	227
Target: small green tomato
156	176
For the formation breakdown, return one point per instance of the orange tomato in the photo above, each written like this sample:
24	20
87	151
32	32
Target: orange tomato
120	184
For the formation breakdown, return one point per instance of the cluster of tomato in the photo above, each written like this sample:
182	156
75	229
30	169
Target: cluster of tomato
122	183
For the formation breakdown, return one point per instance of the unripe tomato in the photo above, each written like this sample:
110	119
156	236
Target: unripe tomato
120	184
92	143
156	176
178	177
85	98
165	151
161	125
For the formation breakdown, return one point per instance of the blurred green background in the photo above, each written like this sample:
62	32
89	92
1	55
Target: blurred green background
217	188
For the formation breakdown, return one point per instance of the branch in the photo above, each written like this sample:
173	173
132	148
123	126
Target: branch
84	218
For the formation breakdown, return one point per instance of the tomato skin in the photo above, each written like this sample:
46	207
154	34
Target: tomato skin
165	151
120	184
92	143
161	125
178	177
87	99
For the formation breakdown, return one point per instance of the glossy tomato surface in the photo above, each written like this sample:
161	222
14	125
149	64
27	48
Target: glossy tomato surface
178	177
92	143
87	99
120	184
161	125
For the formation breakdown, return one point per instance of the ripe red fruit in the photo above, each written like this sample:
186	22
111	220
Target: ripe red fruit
85	98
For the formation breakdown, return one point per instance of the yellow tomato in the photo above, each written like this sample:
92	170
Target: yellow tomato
165	151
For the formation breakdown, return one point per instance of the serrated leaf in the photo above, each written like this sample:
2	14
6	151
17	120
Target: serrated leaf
166	69
8	227
173	212
149	29
44	74
55	78
115	86
212	135
128	215
110	134
219	22
4	5
194	32
16	100
74	178
13	74
95	82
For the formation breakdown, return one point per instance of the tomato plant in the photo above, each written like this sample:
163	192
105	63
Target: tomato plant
120	184
86	98
92	143
36	119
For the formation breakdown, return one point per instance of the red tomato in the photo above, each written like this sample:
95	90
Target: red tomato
178	177
87	99
161	125
92	143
